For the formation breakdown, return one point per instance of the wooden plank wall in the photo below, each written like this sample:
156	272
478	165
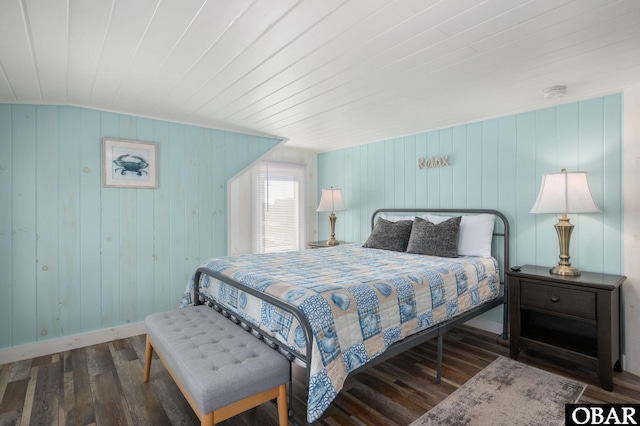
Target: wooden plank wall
495	164
77	257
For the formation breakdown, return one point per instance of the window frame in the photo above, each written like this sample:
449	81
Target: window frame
298	171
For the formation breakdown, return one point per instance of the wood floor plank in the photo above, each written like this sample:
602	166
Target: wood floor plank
47	393
99	359
20	370
42	360
123	346
335	416
107	402
83	409
390	407
67	412
127	412
364	413
430	393
143	404
27	408
403	396
14	396
5	375
11	418
611	398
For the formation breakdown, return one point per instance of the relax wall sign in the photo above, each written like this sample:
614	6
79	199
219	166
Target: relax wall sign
432	162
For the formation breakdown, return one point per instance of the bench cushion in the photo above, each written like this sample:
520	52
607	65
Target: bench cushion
217	361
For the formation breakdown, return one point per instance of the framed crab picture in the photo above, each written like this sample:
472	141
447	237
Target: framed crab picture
129	164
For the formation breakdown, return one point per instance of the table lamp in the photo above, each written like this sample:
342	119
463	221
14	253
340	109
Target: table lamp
565	193
332	201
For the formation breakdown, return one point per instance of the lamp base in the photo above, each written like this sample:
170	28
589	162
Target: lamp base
564	268
567	271
332	221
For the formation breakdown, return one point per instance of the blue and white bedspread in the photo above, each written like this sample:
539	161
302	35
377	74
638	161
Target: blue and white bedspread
358	301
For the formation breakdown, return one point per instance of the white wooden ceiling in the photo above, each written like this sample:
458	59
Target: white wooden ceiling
324	74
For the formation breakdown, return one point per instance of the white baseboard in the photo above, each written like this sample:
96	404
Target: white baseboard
49	347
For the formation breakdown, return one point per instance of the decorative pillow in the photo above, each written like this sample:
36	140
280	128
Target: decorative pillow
388	235
476	233
435	240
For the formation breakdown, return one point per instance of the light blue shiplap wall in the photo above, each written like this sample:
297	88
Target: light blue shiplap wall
77	257
496	164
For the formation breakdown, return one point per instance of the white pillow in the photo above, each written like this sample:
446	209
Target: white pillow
398	218
476	233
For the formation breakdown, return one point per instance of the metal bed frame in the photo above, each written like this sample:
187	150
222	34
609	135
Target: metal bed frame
438	330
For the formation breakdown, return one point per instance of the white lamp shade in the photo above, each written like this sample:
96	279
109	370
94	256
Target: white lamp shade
331	201
565	192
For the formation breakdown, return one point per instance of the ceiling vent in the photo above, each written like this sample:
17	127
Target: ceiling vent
554	92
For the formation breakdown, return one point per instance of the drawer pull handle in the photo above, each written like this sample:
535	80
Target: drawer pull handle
555	299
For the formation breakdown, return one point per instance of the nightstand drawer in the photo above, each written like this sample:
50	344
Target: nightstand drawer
561	300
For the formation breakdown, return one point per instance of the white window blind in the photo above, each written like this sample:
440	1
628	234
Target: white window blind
280	220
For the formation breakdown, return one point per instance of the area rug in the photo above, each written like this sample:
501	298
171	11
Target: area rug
506	392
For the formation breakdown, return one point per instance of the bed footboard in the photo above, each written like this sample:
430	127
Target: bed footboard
291	355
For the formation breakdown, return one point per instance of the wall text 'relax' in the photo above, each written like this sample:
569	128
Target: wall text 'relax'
431	162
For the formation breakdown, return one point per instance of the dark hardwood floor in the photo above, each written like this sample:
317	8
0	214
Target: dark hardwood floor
103	385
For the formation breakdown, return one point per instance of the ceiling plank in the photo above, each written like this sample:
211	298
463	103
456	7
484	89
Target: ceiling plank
6	92
16	53
127	27
48	22
88	25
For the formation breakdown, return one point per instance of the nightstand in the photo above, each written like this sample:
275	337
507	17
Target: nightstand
575	318
321	244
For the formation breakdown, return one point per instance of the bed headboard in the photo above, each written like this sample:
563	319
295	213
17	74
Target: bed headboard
501	229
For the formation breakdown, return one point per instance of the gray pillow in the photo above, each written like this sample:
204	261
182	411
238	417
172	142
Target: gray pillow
435	240
388	235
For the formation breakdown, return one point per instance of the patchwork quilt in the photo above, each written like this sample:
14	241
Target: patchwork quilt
359	301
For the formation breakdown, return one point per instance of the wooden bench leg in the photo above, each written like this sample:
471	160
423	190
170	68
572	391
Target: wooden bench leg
148	356
283	416
207	420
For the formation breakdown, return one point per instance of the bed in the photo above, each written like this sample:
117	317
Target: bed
340	310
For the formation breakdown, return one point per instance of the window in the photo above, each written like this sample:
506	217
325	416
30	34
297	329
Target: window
281	223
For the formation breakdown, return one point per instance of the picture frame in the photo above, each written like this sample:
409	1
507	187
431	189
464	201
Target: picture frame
129	164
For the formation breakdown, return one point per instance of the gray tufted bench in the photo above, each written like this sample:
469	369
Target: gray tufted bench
221	369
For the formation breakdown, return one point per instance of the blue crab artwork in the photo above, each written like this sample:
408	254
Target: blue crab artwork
125	165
